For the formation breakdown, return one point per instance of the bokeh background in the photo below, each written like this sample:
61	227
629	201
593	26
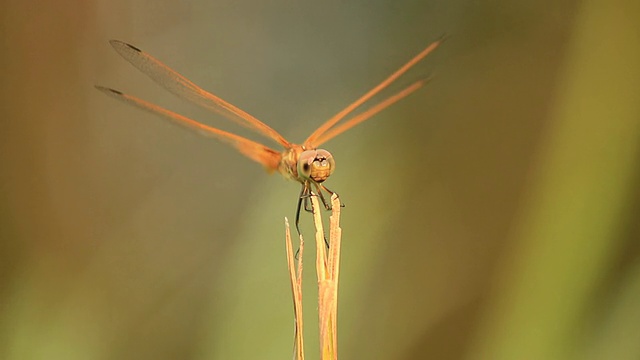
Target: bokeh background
491	215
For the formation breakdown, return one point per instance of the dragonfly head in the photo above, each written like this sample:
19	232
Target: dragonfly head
315	165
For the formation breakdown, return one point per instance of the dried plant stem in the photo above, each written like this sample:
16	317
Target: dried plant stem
295	276
327	270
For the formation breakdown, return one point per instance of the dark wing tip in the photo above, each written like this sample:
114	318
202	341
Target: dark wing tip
442	38
120	44
108	90
426	78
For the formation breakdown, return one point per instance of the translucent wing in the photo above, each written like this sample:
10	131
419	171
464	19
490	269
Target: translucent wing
184	88
313	139
337	130
264	155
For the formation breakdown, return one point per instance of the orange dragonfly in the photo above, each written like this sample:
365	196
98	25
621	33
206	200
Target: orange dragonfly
303	163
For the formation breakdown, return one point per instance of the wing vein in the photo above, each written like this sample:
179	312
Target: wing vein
182	87
262	154
312	140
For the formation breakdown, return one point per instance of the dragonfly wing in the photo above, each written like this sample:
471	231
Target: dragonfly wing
264	155
184	88
312	140
348	124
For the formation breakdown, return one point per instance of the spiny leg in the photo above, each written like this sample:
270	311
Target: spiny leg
304	194
326	205
324	201
307	203
332	193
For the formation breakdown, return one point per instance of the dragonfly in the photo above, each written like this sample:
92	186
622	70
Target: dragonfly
304	163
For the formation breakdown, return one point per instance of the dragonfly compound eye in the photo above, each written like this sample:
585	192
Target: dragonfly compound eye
316	165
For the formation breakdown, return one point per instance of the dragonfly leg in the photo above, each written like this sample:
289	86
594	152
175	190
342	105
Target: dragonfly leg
304	194
331	193
326	205
324	200
307	203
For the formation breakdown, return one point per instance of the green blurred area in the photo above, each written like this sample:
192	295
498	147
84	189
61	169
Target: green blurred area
492	215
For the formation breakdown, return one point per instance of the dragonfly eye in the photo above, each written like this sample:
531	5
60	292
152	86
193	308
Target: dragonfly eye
315	165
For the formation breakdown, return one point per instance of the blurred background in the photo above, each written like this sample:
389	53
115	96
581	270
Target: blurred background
491	215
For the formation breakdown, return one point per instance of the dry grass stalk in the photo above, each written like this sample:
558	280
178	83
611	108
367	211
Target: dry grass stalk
327	270
295	276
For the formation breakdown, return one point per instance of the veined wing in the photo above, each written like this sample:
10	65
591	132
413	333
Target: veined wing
339	129
264	155
314	139
184	88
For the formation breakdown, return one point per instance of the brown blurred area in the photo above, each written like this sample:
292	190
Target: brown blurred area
492	215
